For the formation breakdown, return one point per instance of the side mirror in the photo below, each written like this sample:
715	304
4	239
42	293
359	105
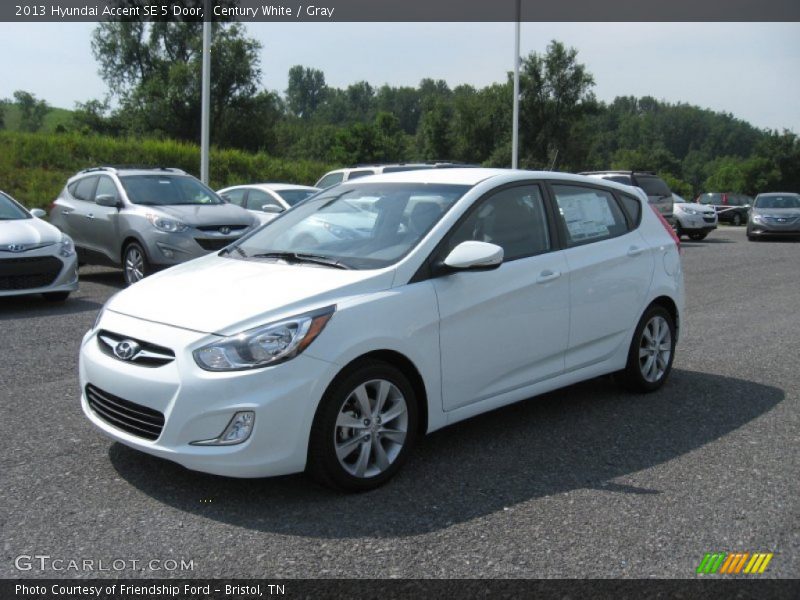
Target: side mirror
107	200
38	213
272	209
474	256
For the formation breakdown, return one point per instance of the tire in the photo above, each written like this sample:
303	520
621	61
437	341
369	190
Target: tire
736	220
343	447
135	265
640	374
55	296
678	229
697	236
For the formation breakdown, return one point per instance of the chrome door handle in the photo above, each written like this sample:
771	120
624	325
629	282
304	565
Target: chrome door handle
66	213
548	275
90	215
635	251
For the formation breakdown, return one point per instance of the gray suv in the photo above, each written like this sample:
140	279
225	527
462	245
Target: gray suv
659	195
143	219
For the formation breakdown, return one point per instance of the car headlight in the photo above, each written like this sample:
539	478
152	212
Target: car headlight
339	232
757	218
166	225
691	211
266	345
67	247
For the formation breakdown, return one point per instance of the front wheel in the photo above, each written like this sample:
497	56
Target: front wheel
651	352
134	263
364	428
697	236
737	219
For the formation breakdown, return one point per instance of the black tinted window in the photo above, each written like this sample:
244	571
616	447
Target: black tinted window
330	180
84	189
652	186
235	196
619	179
633	207
357	174
166	190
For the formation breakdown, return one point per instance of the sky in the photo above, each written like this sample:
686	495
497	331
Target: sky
751	70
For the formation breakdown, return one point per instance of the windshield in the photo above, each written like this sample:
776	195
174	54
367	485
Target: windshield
167	190
653	186
354	226
787	201
293	197
10	210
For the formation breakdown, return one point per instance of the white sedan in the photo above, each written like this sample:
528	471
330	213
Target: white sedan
267	200
472	289
35	257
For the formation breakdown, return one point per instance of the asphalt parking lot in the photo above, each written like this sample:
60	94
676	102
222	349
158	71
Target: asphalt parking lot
584	482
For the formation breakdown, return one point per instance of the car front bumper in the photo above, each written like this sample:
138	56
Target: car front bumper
29	272
696	223
168	249
197	405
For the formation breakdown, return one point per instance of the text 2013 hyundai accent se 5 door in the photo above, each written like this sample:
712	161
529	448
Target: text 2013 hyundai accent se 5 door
474	289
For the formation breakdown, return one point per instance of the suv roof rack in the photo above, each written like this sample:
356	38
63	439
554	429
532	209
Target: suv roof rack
620	171
132	167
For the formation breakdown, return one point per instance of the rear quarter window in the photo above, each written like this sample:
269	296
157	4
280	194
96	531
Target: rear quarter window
633	207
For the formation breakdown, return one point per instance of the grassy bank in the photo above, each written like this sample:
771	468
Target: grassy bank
35	166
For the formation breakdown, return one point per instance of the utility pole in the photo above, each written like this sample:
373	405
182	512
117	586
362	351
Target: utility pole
515	118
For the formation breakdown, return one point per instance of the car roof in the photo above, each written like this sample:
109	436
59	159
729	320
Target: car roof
473	176
779	194
275	187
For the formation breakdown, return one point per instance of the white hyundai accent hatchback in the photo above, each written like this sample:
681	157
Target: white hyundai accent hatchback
471	289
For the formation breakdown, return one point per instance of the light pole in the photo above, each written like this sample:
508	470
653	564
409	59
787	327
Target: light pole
205	112
515	118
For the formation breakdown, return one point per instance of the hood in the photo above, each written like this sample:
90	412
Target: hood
776	212
28	232
199	215
226	295
695	206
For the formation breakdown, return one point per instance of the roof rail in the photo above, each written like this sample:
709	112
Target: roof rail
115	168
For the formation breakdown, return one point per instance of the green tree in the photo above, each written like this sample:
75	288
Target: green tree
307	91
32	111
555	95
154	70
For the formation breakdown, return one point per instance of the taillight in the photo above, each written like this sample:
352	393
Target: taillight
668	227
724	198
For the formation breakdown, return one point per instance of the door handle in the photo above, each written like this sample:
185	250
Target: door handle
635	251
66	213
90	216
548	275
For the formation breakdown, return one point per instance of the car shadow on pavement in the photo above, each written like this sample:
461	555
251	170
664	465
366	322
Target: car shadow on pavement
34	306
583	436
112	278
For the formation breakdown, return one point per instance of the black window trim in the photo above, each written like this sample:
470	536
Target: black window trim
428	270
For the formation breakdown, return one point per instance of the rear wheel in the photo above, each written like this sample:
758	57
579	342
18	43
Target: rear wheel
651	352
134	263
364	428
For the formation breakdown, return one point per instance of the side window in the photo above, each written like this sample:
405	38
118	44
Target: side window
256	199
330	180
634	209
589	214
361	173
235	196
514	219
84	189
106	186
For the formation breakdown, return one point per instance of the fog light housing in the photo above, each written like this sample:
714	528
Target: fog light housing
237	431
166	251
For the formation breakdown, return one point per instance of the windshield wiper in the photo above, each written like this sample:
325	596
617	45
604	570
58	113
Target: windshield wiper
227	250
300	257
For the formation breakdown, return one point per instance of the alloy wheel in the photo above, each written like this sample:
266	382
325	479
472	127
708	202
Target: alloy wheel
134	265
655	348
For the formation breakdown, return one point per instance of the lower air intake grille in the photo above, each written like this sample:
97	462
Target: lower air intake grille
28	273
212	245
131	418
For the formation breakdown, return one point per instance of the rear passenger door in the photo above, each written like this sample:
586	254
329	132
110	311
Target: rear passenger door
102	222
76	220
610	268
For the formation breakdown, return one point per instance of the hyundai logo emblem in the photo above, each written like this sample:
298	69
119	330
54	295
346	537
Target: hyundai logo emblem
225	230
126	350
15	247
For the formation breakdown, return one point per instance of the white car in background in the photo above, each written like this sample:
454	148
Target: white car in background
267	200
35	257
693	220
471	289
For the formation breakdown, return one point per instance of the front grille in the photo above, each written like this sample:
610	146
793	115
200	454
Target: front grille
128	416
215	244
143	354
28	273
230	228
780	220
709	219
